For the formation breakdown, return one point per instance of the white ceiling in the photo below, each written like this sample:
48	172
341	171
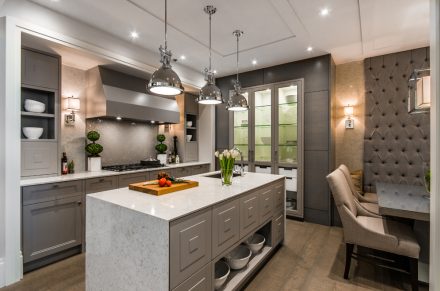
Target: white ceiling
275	31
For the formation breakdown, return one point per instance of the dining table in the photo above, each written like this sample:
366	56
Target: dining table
411	202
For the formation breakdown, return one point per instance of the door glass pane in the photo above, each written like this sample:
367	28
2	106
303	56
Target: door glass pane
241	130
288	124
263	122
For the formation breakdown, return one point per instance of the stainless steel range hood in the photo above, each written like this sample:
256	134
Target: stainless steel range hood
112	94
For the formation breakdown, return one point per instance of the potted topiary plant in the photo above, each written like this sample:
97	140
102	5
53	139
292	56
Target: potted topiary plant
161	149
93	149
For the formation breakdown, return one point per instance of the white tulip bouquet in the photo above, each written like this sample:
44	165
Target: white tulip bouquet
226	160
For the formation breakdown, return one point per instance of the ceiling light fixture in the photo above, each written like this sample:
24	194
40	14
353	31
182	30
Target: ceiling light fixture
309	49
164	80
237	102
254	62
182	57
134	34
324	12
118	117
210	93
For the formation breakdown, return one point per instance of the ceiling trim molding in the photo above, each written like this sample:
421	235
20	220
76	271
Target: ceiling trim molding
261	45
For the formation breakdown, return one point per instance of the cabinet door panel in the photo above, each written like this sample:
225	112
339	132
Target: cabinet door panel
48	192
101	184
127	179
191	152
248	213
182	172
266	203
278	229
190	246
38	158
279	198
199	169
200	281
225	220
51	227
39	69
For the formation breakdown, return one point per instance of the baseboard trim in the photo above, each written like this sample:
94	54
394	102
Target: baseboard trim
2	272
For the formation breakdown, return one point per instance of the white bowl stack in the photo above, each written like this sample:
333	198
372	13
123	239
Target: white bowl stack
32	132
34	106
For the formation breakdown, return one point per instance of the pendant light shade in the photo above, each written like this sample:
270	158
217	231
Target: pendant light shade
210	93
164	80
237	102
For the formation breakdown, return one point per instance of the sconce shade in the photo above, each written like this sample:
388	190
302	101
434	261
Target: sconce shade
73	104
348	111
419	91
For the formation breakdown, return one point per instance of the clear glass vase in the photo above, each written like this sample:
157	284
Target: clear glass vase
226	175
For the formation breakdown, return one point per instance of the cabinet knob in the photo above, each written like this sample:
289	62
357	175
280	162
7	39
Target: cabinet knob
101	180
79	202
55	186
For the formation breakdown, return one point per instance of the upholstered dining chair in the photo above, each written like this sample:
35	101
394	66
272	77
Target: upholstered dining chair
369	204
365	230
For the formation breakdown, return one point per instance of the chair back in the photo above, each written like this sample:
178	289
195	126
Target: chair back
341	191
344	169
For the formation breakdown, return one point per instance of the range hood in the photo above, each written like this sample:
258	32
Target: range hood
112	94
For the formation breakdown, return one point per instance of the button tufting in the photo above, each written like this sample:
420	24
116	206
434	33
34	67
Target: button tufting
383	66
377	79
404	75
397	64
391	77
397	89
389	101
383	90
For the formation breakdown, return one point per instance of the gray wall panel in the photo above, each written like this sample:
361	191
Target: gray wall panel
316	121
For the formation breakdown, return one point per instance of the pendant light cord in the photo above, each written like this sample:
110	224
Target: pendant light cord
238	35
210	31
166	23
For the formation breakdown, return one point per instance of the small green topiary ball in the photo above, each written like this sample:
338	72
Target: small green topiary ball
94	149
161	148
160	138
93	135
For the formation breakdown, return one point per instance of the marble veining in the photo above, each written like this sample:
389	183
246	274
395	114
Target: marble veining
87	175
174	205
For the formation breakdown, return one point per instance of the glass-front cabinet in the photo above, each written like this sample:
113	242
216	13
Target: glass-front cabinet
270	136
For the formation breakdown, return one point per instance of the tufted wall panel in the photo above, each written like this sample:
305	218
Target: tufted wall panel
396	144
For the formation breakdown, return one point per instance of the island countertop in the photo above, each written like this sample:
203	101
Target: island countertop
175	205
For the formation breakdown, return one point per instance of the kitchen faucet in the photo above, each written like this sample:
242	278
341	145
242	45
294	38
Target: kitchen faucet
241	172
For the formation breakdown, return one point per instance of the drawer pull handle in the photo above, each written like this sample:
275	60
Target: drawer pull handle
55	186
79	202
101	180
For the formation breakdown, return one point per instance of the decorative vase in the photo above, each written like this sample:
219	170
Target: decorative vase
162	158
226	175
94	164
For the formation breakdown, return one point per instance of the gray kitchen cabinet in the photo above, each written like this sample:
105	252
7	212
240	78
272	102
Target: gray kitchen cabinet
199	169
191	151
189	126
38	158
225	226
190	246
101	184
48	192
51	227
266	199
278	228
40	69
249	213
279	198
191	106
200	281
182	172
126	179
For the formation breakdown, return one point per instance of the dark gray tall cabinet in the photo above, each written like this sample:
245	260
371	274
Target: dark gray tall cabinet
40	81
318	75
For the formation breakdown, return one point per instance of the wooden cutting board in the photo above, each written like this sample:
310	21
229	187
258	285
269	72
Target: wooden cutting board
156	190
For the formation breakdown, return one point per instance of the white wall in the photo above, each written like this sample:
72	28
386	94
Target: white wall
434	270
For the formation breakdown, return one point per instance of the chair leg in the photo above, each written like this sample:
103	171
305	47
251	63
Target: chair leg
348	254
414	270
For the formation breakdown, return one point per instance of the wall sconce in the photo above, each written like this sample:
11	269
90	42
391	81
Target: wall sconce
419	91
73	105
348	112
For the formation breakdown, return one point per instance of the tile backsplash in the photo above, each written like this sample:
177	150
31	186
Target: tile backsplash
124	142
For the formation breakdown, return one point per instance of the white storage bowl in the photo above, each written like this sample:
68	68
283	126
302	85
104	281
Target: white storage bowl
32	132
239	257
188	137
222	271
34	106
255	242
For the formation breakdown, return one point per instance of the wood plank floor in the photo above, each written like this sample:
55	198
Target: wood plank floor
312	258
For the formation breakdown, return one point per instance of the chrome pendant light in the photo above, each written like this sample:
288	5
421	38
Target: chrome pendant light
164	80
210	93
237	102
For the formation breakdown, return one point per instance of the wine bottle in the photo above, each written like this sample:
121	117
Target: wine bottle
64	168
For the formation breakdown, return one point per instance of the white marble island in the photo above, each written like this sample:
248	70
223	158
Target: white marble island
137	241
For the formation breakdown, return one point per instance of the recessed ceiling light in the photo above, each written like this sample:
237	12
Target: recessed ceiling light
134	34
324	12
152	121
215	71
55	0
309	49
182	57
118	117
254	62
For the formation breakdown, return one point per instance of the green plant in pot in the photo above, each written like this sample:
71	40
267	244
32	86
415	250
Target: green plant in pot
428	180
161	149
94	149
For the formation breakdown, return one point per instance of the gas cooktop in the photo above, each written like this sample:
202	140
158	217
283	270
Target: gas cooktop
131	167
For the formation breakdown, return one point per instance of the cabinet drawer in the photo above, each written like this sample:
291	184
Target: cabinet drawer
51	227
249	213
38	158
182	172
200	169
225	226
200	281
266	203
190	246
279	199
101	184
278	229
50	192
127	179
